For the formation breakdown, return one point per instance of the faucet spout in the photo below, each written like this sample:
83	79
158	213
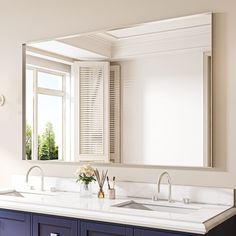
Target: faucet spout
42	175
165	173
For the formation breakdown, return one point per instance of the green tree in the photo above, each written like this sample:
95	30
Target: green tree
44	153
48	149
28	144
39	143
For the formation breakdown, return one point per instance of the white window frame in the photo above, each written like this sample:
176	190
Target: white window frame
51	92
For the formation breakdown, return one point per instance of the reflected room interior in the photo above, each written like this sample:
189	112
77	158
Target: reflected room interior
138	95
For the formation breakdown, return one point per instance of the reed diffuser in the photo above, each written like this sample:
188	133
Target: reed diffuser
101	180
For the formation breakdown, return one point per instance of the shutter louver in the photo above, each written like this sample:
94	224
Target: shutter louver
115	113
93	110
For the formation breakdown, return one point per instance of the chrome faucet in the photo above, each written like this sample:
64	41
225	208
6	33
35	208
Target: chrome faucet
155	197
42	176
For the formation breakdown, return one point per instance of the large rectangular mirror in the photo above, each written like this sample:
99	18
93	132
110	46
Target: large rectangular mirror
138	95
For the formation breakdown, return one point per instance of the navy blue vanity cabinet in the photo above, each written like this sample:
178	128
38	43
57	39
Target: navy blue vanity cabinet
54	226
104	229
17	223
14	223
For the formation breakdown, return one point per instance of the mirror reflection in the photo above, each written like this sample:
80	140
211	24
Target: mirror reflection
137	95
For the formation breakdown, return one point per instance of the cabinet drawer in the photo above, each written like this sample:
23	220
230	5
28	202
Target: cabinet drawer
104	229
54	226
12	215
14	223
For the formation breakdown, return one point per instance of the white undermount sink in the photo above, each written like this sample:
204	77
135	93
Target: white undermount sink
23	194
155	207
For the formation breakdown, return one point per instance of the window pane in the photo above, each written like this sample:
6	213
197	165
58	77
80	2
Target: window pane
49	127
29	114
49	81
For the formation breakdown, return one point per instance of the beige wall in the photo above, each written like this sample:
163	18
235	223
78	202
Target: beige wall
23	21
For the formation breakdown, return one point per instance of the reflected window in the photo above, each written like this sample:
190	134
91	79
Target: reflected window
45	110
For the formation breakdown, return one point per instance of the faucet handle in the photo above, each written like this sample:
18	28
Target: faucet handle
155	197
186	200
31	187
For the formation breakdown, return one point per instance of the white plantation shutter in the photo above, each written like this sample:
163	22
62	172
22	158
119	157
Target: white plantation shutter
115	113
93	110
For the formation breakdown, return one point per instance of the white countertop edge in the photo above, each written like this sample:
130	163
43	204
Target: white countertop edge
217	220
164	224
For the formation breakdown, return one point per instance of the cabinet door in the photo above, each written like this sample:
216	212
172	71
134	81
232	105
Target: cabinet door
146	232
54	226
13	223
104	229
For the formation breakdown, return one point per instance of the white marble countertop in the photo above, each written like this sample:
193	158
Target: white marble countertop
69	204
